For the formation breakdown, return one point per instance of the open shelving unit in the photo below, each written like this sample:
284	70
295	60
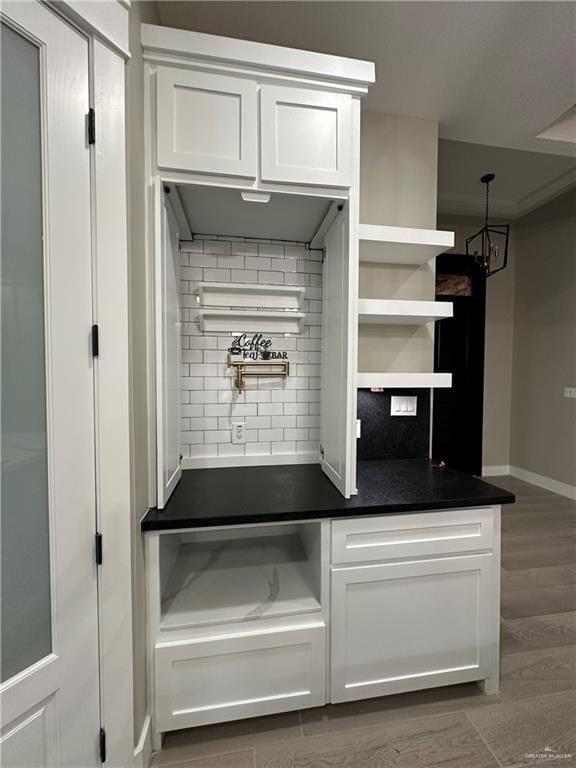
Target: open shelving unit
398	312
402	245
227	581
403	380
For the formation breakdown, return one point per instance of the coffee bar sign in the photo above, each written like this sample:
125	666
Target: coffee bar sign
253	348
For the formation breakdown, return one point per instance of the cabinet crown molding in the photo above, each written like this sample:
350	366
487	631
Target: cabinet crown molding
162	44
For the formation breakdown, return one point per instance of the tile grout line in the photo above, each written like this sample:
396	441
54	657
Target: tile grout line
482	739
209	756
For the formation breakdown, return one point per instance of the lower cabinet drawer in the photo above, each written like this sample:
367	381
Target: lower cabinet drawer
211	680
400	536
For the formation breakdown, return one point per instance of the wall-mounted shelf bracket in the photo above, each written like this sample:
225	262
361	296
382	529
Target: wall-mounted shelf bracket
246	368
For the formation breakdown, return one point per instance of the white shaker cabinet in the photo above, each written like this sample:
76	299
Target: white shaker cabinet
306	136
206	123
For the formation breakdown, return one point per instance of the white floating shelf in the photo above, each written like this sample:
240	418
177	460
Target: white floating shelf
404	380
240	321
250	295
402	245
395	312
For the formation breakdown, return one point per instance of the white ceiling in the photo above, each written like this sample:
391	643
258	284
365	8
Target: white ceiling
492	73
524	180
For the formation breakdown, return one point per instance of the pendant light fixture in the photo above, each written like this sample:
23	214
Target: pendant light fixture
489	246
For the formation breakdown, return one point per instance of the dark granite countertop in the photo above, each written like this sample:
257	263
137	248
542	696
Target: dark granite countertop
240	495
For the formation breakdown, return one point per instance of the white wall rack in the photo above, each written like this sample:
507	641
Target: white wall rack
250	295
238	320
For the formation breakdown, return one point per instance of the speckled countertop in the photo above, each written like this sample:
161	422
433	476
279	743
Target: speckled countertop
241	495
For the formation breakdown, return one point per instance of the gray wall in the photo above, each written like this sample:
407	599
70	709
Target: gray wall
139	12
543	436
499	345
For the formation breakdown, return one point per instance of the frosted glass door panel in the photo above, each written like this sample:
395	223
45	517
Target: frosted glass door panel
25	570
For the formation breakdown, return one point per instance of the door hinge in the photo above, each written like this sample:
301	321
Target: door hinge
91	126
95	341
98	548
102	745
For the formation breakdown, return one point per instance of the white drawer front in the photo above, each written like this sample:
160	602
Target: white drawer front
206	122
401	536
226	678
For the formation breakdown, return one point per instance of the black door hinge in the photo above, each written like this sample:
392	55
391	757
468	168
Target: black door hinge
95	341
102	745
98	548
91	126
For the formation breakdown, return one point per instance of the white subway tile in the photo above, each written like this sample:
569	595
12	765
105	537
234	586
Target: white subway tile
217	246
191	273
285	446
245	249
273	435
203	396
258	396
308	370
307	446
204	423
202	342
201	451
244	276
311	267
192	355
257	262
315	279
285	265
202	260
274	278
284	396
231	262
270	409
215	356
314	434
217	275
191	246
283	421
192	438
295	252
192	382
258	449
227	449
308	421
204	369
296	409
314	409
296	434
216	410
271	249
192	409
217	436
296	278
308	396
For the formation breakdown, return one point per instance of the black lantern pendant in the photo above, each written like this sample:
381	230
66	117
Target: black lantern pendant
489	246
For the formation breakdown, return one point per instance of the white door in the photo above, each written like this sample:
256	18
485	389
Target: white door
339	329
405	626
168	347
306	136
206	122
49	649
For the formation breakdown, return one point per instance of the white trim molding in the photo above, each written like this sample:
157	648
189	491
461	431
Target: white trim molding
564	489
252	460
106	20
496	470
143	750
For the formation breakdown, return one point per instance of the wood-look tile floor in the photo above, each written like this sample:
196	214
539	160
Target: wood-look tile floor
531	722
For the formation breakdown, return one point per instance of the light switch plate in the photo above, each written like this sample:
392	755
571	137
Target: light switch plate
403	405
238	432
569	391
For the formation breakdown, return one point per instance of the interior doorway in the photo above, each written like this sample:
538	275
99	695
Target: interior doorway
459	349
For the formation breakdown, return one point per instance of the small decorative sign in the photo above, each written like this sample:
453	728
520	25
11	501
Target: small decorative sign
255	347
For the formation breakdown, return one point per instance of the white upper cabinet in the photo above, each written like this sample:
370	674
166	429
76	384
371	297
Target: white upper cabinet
206	123
306	137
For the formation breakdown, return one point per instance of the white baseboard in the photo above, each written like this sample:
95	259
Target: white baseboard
544	482
210	462
496	471
143	750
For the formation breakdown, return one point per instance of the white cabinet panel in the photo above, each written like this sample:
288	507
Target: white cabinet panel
406	626
414	535
306	136
221	678
206	123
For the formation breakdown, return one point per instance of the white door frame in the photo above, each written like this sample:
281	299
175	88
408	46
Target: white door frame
106	25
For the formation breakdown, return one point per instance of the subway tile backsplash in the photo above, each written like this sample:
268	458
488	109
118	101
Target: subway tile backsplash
282	416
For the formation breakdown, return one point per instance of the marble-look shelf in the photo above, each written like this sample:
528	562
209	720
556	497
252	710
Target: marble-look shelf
225	581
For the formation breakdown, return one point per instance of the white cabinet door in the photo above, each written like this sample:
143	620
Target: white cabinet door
405	626
338	393
206	123
306	136
168	348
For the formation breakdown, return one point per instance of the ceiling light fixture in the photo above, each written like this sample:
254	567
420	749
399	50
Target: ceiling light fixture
489	246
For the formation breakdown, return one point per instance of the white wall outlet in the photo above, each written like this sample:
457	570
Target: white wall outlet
403	405
569	391
238	432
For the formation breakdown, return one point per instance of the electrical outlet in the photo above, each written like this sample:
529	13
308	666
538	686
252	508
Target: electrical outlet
569	391
403	405
238	432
